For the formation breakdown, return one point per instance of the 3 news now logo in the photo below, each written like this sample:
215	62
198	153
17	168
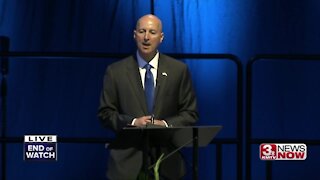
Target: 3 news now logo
40	147
283	151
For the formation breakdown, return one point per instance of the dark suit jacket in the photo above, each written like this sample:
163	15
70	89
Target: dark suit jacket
123	99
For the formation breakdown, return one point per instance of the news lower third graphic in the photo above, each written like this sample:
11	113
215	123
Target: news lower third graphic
281	151
40	148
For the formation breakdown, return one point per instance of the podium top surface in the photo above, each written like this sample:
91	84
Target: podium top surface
173	127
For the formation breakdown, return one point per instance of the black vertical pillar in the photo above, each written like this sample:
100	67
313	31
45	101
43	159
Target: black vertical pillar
195	153
146	144
4	49
152	6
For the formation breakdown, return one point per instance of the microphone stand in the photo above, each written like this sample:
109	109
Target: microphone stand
4	48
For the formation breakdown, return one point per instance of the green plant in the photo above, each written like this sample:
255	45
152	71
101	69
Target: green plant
156	168
143	176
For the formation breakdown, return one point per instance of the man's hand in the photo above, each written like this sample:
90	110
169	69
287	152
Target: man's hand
142	121
159	123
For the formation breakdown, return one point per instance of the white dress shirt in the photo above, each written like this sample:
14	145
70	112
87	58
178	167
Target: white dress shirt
154	63
154	70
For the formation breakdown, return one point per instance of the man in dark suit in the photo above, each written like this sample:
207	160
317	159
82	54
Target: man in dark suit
125	100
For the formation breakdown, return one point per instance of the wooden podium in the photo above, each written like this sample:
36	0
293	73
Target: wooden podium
187	136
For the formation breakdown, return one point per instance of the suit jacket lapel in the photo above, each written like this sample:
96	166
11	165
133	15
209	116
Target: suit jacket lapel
161	84
136	83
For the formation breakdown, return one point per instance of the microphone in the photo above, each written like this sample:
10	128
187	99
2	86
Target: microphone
152	119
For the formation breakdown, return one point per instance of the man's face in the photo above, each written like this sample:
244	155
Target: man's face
148	36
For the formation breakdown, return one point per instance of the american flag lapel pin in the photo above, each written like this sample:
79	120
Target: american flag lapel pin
164	74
